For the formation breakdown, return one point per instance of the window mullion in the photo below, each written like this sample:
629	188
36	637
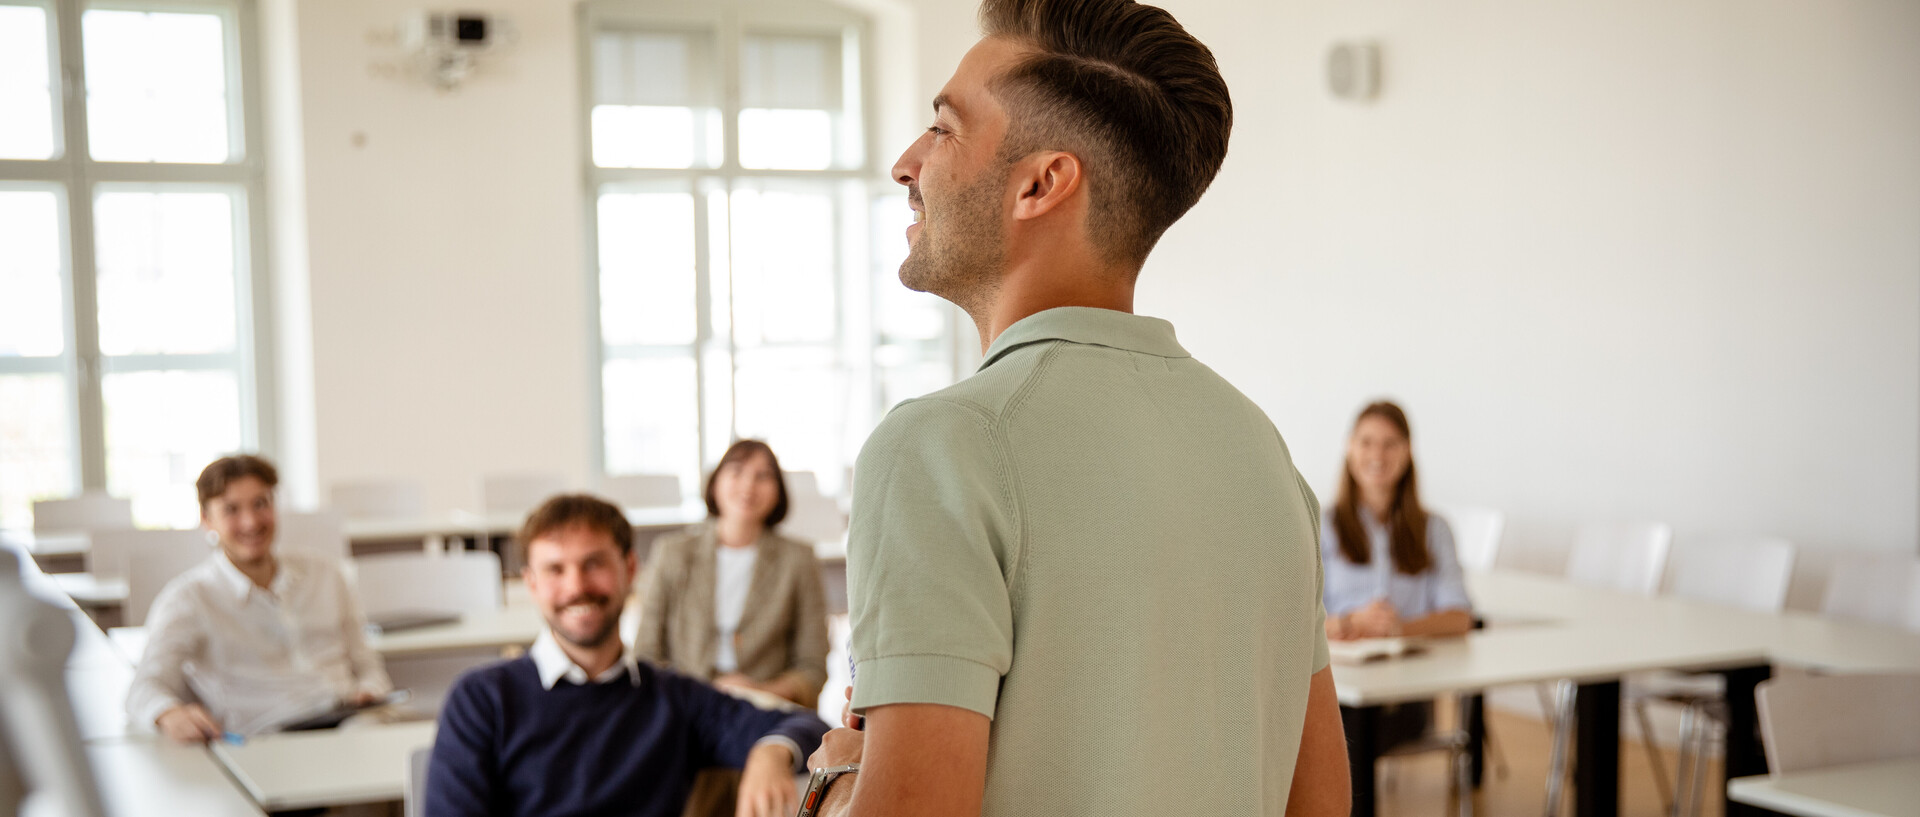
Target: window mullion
82	284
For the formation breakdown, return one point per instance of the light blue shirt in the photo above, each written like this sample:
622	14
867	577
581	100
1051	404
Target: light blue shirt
1350	586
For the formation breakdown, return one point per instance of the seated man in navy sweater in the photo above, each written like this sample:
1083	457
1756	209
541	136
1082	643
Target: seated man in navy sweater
578	726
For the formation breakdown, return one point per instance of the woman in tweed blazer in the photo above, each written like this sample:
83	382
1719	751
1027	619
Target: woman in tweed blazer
779	644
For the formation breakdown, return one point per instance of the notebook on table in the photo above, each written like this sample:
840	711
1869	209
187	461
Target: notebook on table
398	620
1368	650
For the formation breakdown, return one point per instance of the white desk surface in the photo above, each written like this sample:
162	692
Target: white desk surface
1889	788
88	591
48	543
1791	637
511	626
151	777
502	523
1495	657
99	697
329	767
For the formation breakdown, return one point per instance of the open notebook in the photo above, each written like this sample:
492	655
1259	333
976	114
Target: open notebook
1366	650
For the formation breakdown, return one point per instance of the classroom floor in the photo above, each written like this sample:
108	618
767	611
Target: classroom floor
1416	786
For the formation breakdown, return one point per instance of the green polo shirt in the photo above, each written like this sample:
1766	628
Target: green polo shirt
1100	544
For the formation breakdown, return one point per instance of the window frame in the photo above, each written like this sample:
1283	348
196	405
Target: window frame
856	326
79	180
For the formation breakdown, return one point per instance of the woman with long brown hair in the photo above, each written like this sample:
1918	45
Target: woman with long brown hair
1390	566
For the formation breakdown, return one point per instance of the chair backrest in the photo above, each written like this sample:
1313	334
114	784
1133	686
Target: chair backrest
322	533
462	581
151	567
110	558
518	493
89	511
1814	721
1626	557
378	498
801	483
813	518
1752	574
1883	589
642	490
413	802
1476	535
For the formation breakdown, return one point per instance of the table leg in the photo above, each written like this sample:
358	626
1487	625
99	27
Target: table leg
1596	750
1363	754
1474	718
1744	753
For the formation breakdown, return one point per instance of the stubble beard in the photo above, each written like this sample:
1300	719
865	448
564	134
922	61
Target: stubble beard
962	257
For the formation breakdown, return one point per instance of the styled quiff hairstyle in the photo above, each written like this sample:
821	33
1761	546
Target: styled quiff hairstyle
1126	89
225	471
567	510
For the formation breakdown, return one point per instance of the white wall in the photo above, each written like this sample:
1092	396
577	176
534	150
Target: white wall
1619	261
1625	260
444	237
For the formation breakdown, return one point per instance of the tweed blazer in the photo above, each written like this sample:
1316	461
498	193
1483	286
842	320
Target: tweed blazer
783	630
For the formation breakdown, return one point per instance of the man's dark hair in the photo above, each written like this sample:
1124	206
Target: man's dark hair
223	472
567	510
741	451
1124	87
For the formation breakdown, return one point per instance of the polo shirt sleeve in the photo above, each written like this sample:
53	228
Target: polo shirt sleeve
1322	657
933	533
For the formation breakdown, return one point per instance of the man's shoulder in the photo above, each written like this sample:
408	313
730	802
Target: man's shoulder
495	679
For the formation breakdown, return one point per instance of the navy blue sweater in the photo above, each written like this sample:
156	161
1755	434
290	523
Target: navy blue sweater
506	746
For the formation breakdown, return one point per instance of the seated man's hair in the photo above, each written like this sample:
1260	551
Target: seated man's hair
222	472
567	510
1126	89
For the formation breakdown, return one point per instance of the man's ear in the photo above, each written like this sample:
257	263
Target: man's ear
1046	180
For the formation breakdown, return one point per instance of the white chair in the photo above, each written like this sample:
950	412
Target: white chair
1629	558
89	511
322	533
113	551
1751	574
813	518
1816	721
464	582
1883	589
801	483
378	499
149	570
461	581
1476	535
414	797
643	490
518	493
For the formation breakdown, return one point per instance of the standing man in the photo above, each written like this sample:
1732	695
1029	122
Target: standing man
252	638
1085	580
578	726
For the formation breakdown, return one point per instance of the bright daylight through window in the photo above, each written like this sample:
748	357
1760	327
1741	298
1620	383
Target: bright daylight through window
130	227
748	239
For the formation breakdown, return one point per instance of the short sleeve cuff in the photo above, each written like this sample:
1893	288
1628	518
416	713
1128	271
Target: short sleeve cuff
926	679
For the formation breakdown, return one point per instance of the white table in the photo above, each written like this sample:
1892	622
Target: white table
1596	636
1889	788
149	777
87	590
330	767
510	626
53	551
464	524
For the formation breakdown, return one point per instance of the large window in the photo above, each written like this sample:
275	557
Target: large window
129	205
746	238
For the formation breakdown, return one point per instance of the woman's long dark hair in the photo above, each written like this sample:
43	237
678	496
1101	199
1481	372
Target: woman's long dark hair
1406	520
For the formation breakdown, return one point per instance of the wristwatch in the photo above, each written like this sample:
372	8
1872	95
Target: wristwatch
817	787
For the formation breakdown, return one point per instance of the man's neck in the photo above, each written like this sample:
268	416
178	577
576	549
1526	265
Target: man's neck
1038	284
594	660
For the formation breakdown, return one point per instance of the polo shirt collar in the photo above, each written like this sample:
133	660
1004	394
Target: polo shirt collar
553	664
1082	324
